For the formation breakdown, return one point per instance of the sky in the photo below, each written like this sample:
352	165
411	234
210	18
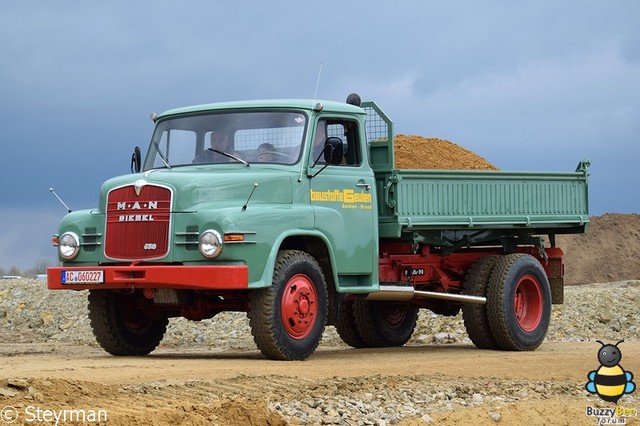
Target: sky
528	85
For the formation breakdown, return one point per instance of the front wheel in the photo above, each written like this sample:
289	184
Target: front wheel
287	319
121	325
518	302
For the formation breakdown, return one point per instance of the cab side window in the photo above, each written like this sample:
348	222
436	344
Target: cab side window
347	131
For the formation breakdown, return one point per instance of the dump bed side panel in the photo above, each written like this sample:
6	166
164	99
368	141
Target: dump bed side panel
444	199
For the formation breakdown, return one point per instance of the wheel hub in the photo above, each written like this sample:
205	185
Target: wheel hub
132	317
394	316
528	303
299	306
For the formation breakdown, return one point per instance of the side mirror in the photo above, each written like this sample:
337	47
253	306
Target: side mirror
135	160
333	150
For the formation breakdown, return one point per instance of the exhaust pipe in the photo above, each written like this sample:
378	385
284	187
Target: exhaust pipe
405	293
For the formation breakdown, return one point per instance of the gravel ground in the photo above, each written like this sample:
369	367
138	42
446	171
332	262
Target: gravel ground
31	313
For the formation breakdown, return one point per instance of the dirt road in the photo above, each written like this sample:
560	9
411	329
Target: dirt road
437	384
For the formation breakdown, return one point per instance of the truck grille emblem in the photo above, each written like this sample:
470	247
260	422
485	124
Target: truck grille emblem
138	185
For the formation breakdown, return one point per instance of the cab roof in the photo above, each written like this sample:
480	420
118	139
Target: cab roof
304	104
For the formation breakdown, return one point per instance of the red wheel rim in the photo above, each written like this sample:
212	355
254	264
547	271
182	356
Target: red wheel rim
393	316
528	304
132	319
299	306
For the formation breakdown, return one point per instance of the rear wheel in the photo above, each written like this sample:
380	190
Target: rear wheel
288	318
474	315
346	324
519	302
121	325
384	324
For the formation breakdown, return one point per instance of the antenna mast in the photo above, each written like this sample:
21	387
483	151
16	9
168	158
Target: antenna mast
315	94
60	199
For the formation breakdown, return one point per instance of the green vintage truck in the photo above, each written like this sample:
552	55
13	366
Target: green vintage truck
292	211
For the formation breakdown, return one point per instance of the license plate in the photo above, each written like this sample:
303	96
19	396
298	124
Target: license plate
82	277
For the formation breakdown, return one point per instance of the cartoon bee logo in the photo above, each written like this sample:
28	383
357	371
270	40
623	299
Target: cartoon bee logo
610	381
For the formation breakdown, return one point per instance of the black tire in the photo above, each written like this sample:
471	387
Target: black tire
287	319
518	303
346	324
474	315
384	324
120	328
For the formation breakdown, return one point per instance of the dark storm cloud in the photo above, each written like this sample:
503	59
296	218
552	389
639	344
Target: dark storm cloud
527	85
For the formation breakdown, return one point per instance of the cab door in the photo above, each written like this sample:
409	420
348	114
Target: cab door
343	199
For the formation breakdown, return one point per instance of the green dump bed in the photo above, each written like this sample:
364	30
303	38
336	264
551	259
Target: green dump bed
459	206
542	203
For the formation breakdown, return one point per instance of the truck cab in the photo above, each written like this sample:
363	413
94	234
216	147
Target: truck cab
223	190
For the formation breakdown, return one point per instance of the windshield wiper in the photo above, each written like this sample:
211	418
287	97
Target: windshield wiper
161	155
226	154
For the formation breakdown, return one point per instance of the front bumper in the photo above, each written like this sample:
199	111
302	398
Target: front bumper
223	277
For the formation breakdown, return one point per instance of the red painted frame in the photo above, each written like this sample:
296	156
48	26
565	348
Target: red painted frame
429	269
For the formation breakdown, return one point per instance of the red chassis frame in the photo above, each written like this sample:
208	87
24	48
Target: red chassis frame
429	269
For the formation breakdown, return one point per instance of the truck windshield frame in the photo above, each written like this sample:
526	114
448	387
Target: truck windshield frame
216	137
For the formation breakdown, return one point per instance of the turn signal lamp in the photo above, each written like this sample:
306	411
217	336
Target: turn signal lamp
233	238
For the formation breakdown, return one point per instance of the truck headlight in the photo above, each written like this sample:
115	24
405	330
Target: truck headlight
68	246
210	244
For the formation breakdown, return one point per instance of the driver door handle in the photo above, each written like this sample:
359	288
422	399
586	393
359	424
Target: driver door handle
363	184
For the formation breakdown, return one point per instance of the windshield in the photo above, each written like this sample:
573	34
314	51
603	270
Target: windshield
240	137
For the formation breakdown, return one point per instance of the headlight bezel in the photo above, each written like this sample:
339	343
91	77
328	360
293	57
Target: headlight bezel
68	246
210	244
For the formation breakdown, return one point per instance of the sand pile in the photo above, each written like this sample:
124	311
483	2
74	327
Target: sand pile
417	152
609	251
